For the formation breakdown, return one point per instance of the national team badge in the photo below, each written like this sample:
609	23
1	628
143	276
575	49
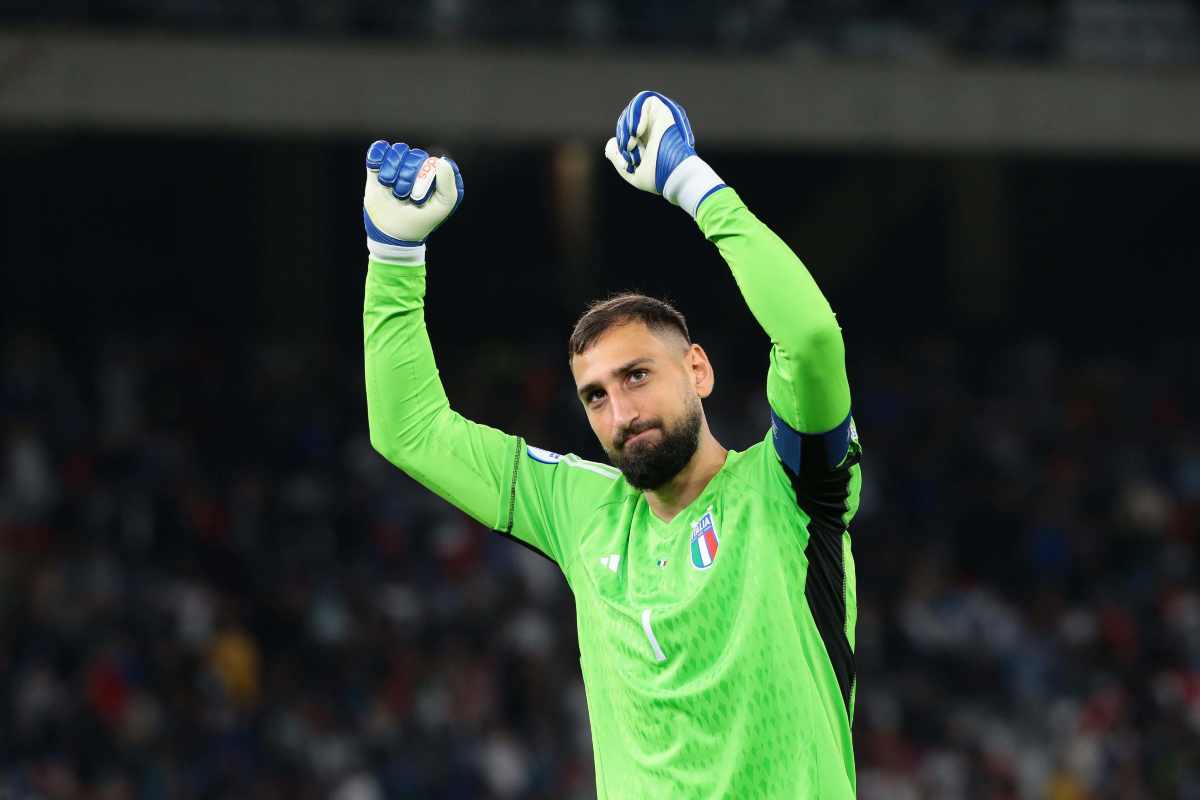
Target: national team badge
704	541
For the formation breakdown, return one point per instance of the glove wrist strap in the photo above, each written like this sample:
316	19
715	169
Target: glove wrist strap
405	255
690	182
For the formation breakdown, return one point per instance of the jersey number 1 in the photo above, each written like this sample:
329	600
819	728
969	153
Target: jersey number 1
658	653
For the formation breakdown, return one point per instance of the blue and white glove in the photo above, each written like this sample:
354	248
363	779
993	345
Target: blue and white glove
408	195
654	150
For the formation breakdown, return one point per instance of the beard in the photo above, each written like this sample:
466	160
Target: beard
648	464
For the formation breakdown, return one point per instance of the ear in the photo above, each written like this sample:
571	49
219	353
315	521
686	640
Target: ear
700	370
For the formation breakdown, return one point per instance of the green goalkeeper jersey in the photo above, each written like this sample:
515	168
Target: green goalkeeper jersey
717	649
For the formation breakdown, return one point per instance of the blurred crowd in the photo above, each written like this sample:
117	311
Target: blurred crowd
212	587
1108	31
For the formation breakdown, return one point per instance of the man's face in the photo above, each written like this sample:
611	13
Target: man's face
641	391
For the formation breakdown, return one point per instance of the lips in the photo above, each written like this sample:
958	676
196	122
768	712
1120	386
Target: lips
637	437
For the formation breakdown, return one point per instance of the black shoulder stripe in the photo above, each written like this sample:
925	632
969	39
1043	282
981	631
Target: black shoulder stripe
823	495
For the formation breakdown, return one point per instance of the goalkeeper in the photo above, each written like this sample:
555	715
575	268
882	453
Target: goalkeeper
714	588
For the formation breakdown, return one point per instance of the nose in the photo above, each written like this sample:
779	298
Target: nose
624	412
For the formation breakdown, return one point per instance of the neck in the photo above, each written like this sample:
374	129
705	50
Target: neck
672	497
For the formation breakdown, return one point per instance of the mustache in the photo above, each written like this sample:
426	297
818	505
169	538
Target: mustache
628	433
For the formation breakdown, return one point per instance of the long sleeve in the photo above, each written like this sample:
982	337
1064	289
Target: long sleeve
532	495
807	385
411	422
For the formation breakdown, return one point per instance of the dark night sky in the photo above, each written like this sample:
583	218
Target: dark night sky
137	233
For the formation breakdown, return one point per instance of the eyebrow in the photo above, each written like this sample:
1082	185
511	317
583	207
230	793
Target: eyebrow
624	369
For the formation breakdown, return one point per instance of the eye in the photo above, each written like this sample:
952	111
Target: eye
638	376
594	397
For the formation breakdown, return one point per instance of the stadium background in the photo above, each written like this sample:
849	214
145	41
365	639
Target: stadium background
212	587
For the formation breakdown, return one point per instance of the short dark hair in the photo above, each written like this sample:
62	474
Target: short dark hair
655	314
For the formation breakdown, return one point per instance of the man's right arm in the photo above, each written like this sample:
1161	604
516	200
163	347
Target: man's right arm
492	476
411	422
531	495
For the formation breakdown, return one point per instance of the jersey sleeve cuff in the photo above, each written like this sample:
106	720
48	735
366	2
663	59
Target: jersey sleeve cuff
690	183
403	255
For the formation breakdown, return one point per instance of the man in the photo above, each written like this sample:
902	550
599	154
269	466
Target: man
714	589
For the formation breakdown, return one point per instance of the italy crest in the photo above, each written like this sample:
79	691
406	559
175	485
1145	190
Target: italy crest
704	541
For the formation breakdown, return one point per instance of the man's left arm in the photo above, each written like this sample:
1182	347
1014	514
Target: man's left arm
807	387
654	150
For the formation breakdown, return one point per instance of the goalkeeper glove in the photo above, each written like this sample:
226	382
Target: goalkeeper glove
655	150
408	194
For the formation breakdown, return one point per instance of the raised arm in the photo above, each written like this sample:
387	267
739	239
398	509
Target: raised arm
407	195
491	475
410	419
654	150
806	384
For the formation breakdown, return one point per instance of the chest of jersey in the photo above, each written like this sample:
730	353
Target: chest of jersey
665	602
690	643
705	669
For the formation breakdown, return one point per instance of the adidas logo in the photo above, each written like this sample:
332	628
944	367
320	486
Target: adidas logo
610	561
